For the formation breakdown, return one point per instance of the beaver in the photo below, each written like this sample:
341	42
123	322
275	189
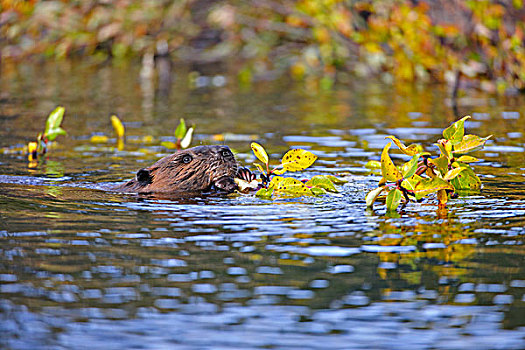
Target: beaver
197	169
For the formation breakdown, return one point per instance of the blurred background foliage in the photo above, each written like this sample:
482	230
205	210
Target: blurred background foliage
478	42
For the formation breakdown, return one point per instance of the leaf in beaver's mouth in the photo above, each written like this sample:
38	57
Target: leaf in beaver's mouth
245	186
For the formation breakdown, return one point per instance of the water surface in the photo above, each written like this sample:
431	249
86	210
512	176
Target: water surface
83	267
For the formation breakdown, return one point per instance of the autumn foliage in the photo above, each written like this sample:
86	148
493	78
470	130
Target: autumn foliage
482	40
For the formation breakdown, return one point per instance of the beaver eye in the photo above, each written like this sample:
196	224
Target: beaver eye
226	153
186	159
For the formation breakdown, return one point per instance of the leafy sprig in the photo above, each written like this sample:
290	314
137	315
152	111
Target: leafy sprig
293	160
51	131
183	134
444	175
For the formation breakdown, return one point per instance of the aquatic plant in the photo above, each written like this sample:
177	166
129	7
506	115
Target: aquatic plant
51	132
293	160
183	134
444	175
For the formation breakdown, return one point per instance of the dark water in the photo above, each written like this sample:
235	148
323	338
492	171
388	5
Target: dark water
84	268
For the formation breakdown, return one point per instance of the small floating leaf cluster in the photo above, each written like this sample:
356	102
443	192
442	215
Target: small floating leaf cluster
182	133
293	160
44	140
51	132
423	175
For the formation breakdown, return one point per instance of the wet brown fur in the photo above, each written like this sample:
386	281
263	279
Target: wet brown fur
209	168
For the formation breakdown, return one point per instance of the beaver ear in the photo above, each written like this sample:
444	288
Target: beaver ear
143	176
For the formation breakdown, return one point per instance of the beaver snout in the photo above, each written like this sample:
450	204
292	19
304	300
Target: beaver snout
226	184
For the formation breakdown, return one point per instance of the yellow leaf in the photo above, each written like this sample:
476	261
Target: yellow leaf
278	171
99	139
31	147
292	186
147	139
298	159
388	169
120	144
275	180
445	147
470	143
453	173
218	137
259	167
426	186
411	150
259	152
467	159
168	144
117	125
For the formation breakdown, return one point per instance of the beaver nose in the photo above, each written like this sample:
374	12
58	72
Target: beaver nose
225	153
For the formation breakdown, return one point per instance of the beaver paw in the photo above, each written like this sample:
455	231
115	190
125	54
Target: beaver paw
246	175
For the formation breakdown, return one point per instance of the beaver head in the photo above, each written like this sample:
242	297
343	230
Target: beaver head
197	169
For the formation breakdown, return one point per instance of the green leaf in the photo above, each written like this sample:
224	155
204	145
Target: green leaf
298	159
426	186
410	167
441	164
466	180
259	152
451	174
411	150
393	199
373	164
336	180
454	133
411	182
318	191
53	122
372	195
53	133
388	169
321	181
54	119
470	143
265	193
180	131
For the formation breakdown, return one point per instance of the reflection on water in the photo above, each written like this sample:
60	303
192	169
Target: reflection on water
84	267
